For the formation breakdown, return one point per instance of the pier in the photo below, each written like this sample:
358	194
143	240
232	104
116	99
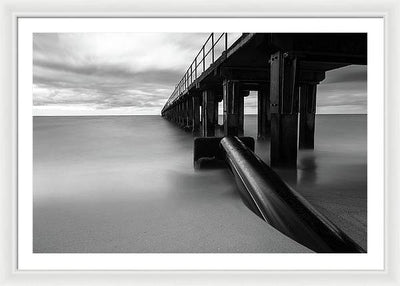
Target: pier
284	69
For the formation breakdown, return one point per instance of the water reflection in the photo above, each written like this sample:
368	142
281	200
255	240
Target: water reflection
307	167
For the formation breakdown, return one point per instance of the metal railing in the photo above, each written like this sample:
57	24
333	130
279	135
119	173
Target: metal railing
218	45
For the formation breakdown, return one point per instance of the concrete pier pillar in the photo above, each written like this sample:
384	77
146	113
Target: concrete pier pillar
181	114
232	109
217	99
308	94
179	107
177	114
190	113
284	110
183	117
240	99
196	114
208	113
186	105
263	112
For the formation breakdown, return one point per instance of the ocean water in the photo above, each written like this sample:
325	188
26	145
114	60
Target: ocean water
127	184
333	176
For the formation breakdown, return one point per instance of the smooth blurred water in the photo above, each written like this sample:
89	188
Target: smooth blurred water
127	184
333	176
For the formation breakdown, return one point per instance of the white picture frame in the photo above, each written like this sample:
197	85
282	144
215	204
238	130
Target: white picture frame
11	10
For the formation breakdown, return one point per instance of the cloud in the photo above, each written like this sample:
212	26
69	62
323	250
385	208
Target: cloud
101	71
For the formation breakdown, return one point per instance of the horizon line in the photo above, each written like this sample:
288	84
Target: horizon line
87	115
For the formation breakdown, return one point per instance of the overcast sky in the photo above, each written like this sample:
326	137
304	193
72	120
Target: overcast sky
135	73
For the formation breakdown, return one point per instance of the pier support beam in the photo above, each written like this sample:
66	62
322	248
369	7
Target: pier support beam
196	113
179	114
189	103
284	110
183	113
307	115
208	113
179	107
242	95
186	104
217	100
183	104
232	109
264	112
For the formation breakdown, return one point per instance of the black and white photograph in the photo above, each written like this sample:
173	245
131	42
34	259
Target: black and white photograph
199	142
211	142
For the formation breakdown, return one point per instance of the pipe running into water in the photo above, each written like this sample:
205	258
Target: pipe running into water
281	206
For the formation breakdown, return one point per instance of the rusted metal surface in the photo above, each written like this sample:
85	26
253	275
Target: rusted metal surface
281	206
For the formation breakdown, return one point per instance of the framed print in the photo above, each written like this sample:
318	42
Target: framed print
199	146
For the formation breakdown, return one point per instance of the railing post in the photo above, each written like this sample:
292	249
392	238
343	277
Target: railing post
204	59
195	68
191	74
226	42
212	47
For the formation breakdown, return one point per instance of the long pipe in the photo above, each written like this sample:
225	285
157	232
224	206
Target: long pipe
281	206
